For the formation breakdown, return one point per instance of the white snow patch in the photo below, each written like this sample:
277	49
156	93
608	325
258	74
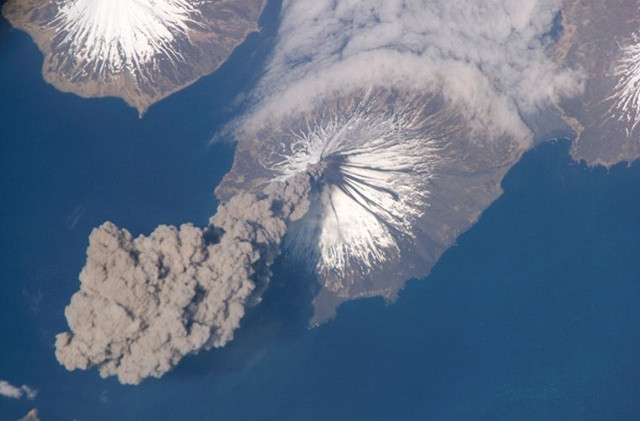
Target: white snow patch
626	107
111	35
376	172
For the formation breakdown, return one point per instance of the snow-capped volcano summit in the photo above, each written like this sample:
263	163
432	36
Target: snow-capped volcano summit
627	90
398	174
140	50
374	183
603	40
114	35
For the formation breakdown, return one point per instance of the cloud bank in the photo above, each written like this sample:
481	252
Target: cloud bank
16	392
490	57
145	303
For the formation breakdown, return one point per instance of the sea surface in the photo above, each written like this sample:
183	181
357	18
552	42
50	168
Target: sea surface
533	314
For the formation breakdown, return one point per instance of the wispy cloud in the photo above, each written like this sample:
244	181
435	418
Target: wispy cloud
16	392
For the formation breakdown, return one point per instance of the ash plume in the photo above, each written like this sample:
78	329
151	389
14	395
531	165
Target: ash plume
146	302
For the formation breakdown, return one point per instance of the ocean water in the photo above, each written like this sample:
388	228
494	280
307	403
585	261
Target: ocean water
532	315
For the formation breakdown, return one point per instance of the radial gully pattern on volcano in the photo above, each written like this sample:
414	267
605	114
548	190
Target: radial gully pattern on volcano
627	91
139	50
398	177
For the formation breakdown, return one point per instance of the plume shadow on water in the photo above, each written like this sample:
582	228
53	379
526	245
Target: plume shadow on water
282	316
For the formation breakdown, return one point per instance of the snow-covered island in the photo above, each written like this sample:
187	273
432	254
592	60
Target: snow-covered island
139	50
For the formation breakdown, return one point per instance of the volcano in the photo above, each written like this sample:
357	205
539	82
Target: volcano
603	41
398	176
627	91
139	50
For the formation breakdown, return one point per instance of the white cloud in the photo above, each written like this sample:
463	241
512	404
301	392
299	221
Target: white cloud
16	392
489	57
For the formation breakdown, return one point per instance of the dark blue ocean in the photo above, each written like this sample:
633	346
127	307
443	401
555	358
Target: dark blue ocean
534	314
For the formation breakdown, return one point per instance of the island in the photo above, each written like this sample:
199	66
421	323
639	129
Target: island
139	51
603	41
399	179
404	172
